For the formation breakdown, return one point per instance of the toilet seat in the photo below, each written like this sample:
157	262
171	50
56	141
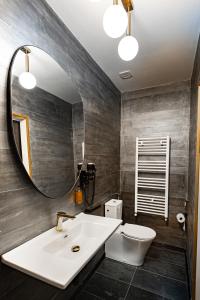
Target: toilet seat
137	232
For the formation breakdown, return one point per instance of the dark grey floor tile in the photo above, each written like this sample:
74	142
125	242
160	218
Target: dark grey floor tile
167	255
116	270
160	285
9	279
106	288
165	268
86	296
31	289
139	294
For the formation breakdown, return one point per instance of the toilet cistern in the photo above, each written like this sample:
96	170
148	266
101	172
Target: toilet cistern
59	221
113	209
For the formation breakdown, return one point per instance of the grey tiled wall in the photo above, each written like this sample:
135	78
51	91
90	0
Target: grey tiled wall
159	111
51	138
24	212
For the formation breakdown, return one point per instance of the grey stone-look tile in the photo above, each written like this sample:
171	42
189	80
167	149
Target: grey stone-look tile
83	295
116	270
139	294
167	255
31	289
106	288
160	285
162	267
9	279
158	111
51	128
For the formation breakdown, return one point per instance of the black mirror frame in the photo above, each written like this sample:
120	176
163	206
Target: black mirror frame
11	131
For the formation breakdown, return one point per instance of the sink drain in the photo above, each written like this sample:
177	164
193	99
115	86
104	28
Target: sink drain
76	248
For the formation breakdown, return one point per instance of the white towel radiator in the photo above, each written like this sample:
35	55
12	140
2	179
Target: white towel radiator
152	176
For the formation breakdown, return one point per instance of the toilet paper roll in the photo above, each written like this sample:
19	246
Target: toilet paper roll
180	218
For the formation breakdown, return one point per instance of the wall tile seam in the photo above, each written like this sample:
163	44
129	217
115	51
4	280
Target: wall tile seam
153	97
178	84
167	89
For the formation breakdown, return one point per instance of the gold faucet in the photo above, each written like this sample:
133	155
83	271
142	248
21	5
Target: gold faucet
59	221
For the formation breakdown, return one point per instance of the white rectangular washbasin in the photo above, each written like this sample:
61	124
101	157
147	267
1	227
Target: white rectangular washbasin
49	256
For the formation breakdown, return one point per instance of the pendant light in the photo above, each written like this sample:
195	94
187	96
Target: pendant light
128	46
27	79
115	20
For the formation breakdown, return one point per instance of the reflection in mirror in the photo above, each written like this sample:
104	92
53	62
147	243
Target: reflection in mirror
47	120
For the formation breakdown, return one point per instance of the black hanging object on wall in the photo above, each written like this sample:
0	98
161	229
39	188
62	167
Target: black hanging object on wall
91	170
87	183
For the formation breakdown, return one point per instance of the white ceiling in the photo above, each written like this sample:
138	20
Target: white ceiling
49	75
167	32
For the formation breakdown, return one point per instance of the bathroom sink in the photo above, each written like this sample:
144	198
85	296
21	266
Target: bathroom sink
57	257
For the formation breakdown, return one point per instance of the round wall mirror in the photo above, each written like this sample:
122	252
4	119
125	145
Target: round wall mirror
46	119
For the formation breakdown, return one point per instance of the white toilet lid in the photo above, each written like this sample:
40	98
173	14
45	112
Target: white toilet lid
138	232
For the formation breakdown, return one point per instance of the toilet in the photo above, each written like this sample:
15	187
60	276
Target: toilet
130	242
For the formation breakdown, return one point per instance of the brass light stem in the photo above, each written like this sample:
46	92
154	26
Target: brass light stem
26	62
129	22
26	51
115	2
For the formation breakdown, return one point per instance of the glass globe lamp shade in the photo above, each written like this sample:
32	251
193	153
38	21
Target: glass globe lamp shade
128	48
115	21
27	80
